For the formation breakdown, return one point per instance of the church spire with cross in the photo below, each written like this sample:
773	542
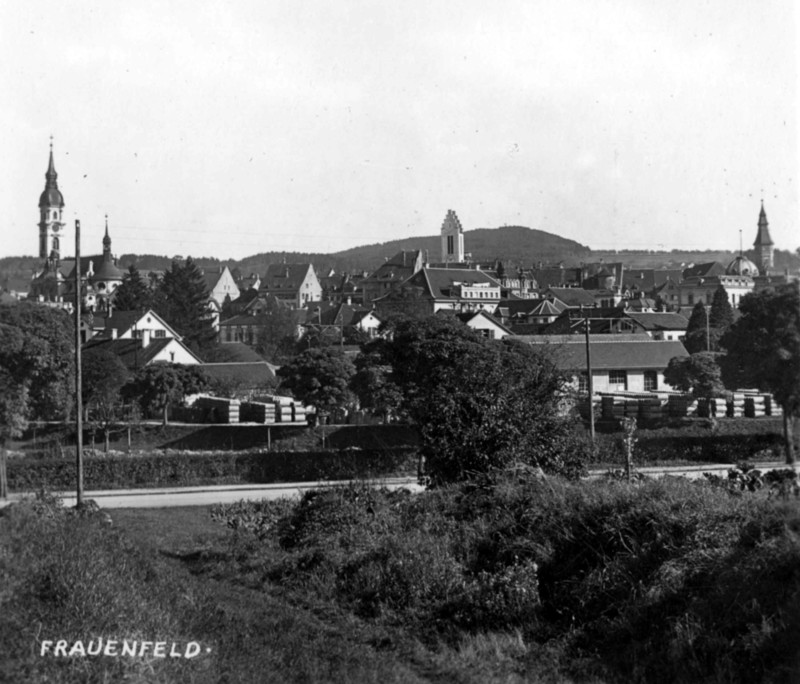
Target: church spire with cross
51	207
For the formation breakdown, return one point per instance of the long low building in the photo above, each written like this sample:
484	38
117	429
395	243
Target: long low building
620	363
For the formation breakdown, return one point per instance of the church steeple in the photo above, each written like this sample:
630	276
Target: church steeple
763	243
452	239
106	242
51	206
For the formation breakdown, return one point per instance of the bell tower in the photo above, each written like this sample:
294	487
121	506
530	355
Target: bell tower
51	207
452	239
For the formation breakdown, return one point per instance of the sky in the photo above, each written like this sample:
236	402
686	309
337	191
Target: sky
226	129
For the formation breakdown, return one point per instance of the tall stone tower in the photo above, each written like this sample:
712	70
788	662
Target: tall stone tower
763	243
51	206
452	239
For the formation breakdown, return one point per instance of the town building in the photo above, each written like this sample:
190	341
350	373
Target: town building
620	363
293	284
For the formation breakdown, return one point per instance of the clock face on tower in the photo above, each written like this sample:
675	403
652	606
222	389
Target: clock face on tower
56	227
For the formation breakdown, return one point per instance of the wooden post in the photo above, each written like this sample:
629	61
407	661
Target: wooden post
78	388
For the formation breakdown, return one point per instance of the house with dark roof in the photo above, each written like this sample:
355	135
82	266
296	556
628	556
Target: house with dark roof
574	297
294	284
137	353
481	322
388	275
620	363
241	380
433	289
660	325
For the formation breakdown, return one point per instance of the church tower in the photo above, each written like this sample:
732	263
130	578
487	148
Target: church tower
51	206
452	239
763	243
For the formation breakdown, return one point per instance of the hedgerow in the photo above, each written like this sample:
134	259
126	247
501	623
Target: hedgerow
192	468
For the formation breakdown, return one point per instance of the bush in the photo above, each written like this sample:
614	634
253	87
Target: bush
669	580
184	469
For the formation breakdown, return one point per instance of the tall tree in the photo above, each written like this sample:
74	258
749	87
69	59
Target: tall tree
477	404
134	293
37	351
183	301
695	339
721	314
763	350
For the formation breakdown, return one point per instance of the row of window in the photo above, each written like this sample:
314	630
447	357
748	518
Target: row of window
618	381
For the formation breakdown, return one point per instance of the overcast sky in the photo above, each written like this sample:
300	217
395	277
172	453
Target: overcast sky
225	129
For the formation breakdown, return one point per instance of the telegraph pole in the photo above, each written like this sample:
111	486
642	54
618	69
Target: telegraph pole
590	381
78	388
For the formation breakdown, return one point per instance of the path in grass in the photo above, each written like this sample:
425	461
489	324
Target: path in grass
271	635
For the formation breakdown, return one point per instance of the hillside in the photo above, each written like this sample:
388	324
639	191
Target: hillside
513	245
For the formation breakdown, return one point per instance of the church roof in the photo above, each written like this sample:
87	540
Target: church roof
741	265
762	237
51	197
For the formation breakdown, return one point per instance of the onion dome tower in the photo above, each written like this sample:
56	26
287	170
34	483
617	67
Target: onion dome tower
763	243
51	206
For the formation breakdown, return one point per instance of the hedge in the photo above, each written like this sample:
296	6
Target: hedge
193	469
711	448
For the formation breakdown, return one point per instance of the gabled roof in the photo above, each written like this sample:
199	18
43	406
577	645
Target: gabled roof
571	296
125	320
648	279
610	352
285	276
467	317
659	320
132	353
711	268
335	314
443	283
250	374
211	278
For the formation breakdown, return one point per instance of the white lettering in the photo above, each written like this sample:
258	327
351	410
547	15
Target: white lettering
91	650
61	646
173	653
111	648
192	649
77	649
160	649
45	647
144	647
129	648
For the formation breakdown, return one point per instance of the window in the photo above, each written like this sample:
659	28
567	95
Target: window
583	383
690	299
449	244
618	380
159	333
650	381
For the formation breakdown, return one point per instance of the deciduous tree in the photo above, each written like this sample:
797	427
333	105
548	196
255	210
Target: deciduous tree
158	386
699	374
478	404
763	350
320	377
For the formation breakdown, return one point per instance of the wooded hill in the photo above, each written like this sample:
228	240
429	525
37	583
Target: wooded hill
513	245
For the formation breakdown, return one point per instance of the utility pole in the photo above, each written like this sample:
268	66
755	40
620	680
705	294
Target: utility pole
707	309
78	388
590	381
